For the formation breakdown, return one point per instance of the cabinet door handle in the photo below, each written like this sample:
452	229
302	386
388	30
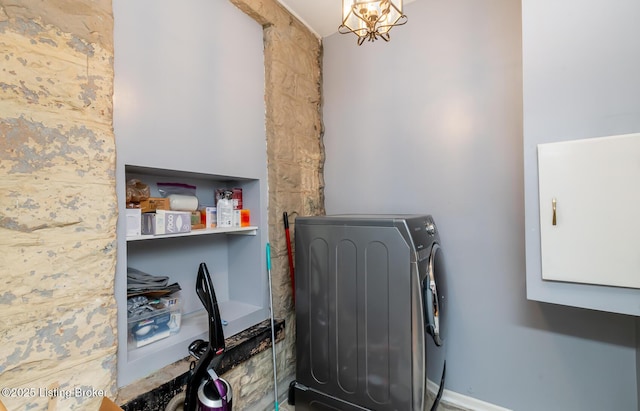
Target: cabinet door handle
553	205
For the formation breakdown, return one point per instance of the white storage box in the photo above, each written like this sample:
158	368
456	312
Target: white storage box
133	222
162	321
166	222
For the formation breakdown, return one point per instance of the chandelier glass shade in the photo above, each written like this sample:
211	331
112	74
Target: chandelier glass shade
371	19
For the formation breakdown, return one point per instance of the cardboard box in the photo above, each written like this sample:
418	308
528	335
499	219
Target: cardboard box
196	221
211	219
241	218
166	222
237	198
155	203
133	222
236	218
108	405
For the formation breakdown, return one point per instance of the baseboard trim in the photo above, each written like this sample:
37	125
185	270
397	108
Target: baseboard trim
468	403
463	402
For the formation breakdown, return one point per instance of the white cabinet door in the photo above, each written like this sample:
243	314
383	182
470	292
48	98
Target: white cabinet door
595	184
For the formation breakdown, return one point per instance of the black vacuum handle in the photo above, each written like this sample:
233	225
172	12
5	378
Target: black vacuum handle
213	353
199	372
202	294
216	334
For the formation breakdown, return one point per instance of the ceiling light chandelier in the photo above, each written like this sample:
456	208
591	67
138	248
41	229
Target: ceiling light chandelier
371	19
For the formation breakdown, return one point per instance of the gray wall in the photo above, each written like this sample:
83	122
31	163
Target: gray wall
580	63
432	122
188	96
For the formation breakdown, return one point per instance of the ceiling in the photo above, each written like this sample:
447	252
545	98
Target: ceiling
321	16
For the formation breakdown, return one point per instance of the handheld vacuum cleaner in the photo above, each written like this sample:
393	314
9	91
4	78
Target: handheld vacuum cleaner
206	391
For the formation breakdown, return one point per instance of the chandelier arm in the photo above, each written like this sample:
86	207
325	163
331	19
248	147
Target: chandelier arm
342	29
404	21
389	25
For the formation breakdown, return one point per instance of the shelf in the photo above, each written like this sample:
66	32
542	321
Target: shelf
191	328
164	172
144	360
241	347
234	254
251	230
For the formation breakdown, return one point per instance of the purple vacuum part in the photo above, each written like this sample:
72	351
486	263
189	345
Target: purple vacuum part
222	388
215	395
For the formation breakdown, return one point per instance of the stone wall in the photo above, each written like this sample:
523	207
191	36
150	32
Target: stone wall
57	203
295	153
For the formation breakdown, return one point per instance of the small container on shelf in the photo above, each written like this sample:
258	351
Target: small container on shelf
155	320
245	217
196	221
224	213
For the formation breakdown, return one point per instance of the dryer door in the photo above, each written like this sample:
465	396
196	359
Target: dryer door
434	291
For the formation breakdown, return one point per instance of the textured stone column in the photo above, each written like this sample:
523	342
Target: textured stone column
57	204
295	152
293	84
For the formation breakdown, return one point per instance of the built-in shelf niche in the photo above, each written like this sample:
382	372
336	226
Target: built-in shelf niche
234	257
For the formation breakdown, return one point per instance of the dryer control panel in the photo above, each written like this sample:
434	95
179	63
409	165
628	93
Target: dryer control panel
423	233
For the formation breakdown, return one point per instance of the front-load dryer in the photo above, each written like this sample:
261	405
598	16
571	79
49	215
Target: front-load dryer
371	313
